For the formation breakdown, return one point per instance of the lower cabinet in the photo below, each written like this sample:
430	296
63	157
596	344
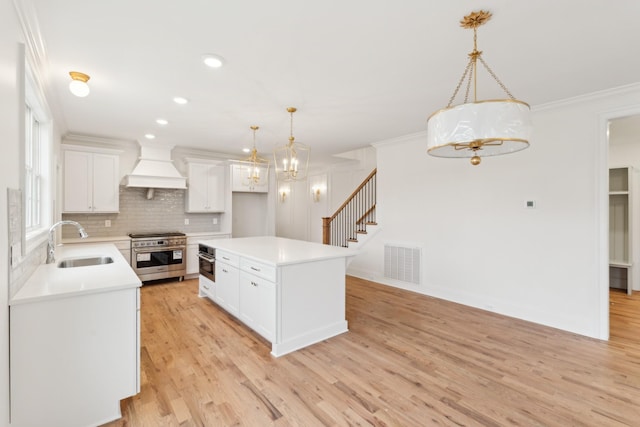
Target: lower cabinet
258	304
73	359
227	281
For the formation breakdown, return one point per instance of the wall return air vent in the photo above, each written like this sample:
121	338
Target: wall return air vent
402	263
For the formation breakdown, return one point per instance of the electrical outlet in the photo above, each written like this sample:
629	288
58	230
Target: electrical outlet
107	223
530	204
186	221
215	221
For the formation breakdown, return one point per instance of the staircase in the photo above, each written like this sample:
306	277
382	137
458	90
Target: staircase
355	220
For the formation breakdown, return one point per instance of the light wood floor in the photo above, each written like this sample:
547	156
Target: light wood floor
407	360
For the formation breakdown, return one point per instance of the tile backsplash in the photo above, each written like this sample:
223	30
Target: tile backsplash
19	272
164	212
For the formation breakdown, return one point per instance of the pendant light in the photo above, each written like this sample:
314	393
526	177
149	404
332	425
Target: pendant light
478	128
255	168
291	160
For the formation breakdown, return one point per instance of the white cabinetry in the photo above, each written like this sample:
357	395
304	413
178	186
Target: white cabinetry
73	359
227	292
206	188
290	292
258	297
241	183
620	247
91	179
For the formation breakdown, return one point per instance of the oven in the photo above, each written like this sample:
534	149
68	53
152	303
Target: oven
157	256
207	261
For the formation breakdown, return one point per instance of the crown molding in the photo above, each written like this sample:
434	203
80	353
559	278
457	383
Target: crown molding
587	97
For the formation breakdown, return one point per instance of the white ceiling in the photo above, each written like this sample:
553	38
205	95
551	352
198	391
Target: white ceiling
358	71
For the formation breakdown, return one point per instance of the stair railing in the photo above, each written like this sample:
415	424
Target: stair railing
353	216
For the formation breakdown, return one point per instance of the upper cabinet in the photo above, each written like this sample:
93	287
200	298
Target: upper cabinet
241	182
206	187
91	179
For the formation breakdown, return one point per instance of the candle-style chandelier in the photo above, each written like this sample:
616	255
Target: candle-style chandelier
291	160
255	168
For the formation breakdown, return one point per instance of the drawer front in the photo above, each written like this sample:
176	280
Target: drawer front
259	269
206	287
227	258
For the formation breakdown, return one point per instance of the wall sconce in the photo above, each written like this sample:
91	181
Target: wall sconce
78	85
284	192
315	192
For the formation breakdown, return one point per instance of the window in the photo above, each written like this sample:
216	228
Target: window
33	172
37	176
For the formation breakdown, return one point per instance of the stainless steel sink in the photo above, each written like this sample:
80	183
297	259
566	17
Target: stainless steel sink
83	262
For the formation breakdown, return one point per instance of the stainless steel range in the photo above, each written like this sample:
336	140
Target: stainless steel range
159	255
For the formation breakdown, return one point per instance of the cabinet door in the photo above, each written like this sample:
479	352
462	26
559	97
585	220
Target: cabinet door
258	304
91	182
70	350
241	183
216	188
226	290
193	263
77	182
197	192
106	194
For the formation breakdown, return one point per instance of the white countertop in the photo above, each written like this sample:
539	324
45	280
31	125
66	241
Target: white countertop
279	251
49	281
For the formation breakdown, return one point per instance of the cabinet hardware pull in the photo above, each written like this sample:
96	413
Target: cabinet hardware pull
225	271
255	269
254	283
225	258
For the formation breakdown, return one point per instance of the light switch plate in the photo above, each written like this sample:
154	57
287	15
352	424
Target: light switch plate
215	221
186	221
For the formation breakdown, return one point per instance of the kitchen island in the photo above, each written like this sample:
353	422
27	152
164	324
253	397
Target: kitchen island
75	339
289	291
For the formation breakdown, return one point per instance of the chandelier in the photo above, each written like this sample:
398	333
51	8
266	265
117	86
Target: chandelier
478	128
256	169
291	160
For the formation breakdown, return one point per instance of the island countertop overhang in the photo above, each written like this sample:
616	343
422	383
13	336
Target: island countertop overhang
279	251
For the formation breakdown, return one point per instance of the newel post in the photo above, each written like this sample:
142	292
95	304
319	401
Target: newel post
326	230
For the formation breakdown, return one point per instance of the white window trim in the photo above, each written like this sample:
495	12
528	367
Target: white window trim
33	97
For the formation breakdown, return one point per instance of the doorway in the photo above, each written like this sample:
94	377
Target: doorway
623	134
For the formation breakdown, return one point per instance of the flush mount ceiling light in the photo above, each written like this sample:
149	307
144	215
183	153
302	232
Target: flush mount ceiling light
478	128
162	122
291	160
149	136
78	85
255	168
212	61
180	100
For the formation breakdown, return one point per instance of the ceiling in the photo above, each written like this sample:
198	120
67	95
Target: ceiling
359	71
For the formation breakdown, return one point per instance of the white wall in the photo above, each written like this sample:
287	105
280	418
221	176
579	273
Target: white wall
300	216
481	246
10	36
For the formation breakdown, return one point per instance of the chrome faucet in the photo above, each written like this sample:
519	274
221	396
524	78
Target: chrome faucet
51	246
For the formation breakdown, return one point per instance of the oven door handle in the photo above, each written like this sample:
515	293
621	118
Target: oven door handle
160	248
206	258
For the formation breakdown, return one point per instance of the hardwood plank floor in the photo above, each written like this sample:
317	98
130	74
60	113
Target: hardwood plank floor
407	360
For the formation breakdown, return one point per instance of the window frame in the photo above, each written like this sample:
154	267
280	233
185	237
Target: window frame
35	108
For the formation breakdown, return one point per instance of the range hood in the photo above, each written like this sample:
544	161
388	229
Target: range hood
155	168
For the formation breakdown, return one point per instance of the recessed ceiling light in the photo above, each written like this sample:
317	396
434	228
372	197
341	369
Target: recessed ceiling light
149	136
162	122
212	61
180	100
246	150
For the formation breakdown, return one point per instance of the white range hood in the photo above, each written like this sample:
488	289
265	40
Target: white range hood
155	168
